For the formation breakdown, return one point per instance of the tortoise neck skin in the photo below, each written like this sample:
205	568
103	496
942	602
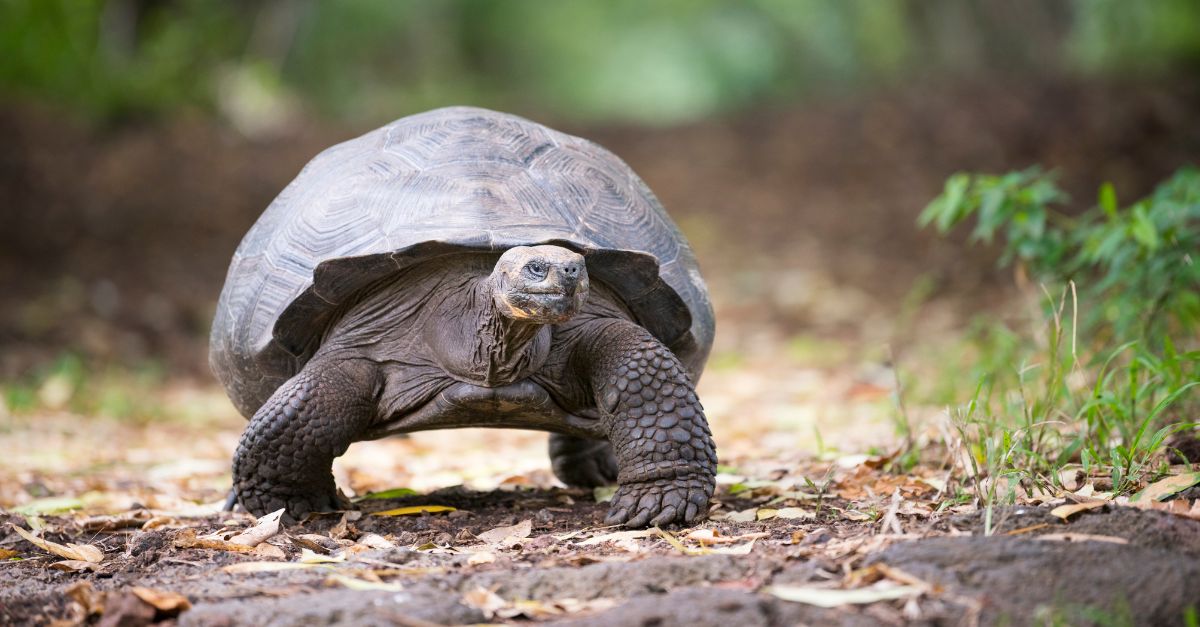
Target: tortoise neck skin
498	331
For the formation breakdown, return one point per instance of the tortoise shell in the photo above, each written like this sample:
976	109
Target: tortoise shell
446	181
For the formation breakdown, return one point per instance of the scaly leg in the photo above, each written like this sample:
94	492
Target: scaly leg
285	456
655	423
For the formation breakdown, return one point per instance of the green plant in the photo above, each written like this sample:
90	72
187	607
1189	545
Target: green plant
1137	266
1060	393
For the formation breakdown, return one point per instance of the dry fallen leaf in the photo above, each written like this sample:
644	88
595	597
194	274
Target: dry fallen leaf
1178	507
75	566
8	554
743	549
242	568
264	528
312	557
136	518
482	557
162	600
376	541
498	535
353	583
618	536
1164	489
833	597
161	522
315	542
485	601
794	513
712	536
87	597
71	551
269	550
414	510
187	539
1070	509
1081	537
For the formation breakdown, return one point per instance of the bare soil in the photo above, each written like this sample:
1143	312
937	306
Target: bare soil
1139	565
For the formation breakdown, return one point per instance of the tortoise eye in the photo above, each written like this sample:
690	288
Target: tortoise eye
536	270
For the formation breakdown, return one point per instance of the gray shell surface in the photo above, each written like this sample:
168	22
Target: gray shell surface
445	181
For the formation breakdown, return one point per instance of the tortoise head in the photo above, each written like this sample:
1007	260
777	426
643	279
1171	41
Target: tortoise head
540	284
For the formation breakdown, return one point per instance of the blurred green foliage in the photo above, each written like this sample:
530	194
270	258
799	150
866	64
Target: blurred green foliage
1136	265
660	61
1114	370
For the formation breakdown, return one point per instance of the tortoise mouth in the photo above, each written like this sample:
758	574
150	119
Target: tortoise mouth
546	307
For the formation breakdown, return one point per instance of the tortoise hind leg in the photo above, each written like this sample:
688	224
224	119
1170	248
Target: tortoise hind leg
582	462
657	428
285	456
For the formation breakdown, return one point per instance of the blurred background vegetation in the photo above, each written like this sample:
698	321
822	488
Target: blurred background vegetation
794	140
257	62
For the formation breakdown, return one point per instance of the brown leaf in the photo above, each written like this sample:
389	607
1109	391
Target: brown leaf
264	528
8	554
267	549
160	522
126	608
315	542
1081	537
75	566
375	541
135	518
1070	509
162	600
1164	489
87	597
482	557
71	551
518	531
186	539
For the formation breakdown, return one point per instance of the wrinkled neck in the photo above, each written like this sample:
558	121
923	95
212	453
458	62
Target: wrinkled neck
477	343
500	337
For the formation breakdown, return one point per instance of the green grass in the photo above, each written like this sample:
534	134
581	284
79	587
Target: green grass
1108	370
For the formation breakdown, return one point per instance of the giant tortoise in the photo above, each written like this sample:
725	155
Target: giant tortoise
467	268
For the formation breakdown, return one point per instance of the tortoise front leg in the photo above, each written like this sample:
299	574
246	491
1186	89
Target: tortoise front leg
666	457
285	456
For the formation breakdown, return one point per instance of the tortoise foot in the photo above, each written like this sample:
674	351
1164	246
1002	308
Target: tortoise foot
661	502
296	502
